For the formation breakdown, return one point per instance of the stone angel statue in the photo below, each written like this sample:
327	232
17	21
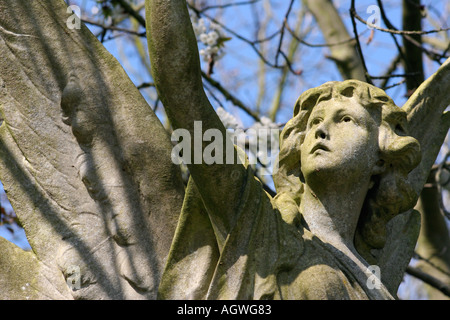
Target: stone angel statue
350	161
87	167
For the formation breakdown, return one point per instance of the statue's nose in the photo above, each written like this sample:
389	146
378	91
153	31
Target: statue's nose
321	131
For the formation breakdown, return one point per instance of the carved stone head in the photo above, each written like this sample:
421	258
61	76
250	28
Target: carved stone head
349	128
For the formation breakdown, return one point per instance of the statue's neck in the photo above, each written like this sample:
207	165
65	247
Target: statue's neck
332	212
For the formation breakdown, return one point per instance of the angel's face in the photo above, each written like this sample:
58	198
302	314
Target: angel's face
341	138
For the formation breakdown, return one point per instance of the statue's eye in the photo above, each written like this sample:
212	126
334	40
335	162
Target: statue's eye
315	121
346	119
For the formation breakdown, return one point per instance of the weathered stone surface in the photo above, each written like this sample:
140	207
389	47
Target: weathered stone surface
353	164
339	184
87	168
83	158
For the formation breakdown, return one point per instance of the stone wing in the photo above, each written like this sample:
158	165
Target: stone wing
429	124
84	161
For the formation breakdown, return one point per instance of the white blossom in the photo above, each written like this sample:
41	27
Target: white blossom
210	35
261	140
95	10
203	38
228	120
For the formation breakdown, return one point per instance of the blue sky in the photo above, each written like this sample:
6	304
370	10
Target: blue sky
237	71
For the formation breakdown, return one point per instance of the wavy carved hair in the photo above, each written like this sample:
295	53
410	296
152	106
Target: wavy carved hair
391	193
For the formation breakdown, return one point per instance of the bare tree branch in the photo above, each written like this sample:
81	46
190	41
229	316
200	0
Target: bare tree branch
113	28
334	31
394	31
129	9
230	97
432	54
428	279
251	43
412	20
232	4
358	44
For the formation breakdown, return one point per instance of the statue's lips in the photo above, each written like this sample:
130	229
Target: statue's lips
319	146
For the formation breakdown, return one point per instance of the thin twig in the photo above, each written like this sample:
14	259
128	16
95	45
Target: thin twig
404	75
129	9
395	85
358	44
389	25
232	4
427	260
392	67
394	31
230	97
251	43
113	28
280	43
433	55
319	45
211	93
145	85
428	279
